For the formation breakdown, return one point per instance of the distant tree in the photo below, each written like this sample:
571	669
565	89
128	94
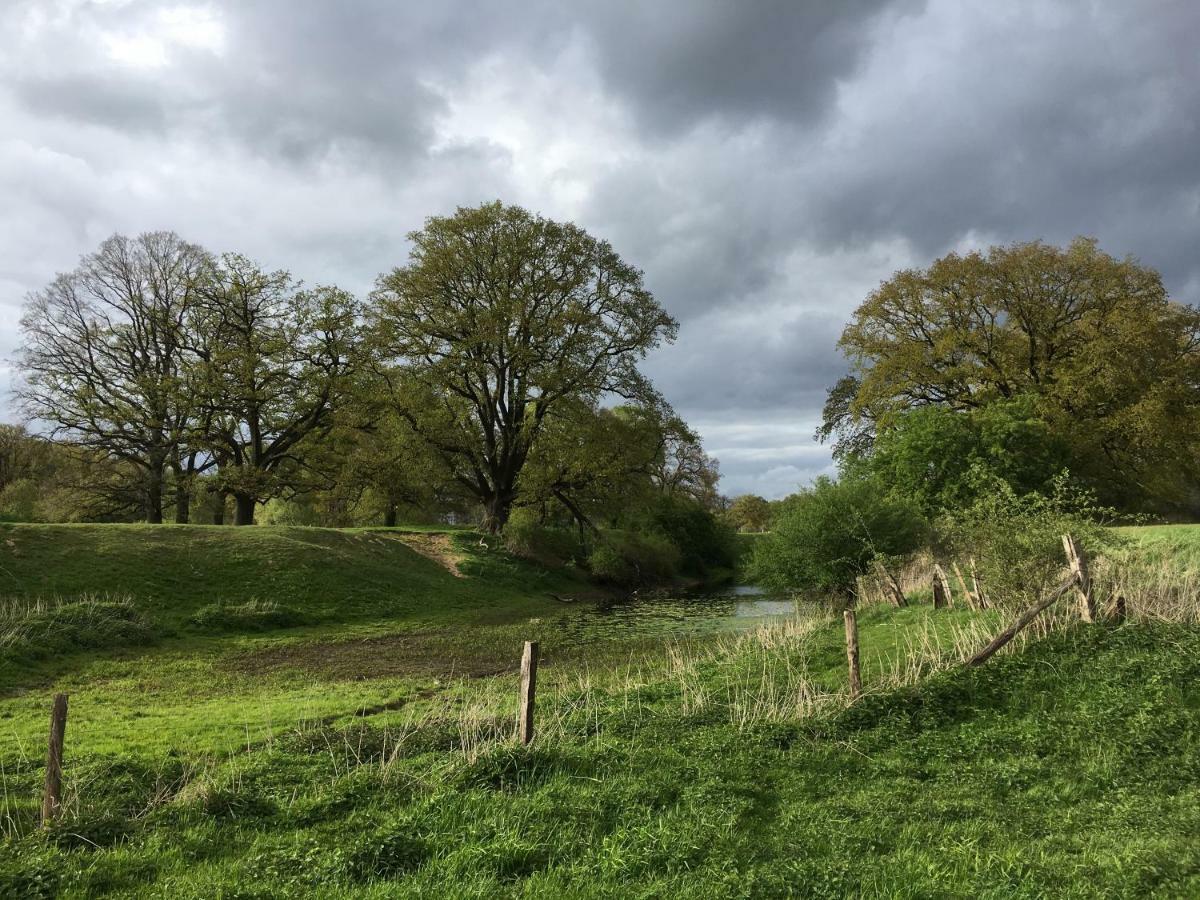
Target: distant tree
749	512
104	358
826	536
22	455
501	320
1107	357
683	468
279	364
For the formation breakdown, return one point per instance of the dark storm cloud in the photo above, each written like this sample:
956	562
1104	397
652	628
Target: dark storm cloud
1084	121
765	163
680	63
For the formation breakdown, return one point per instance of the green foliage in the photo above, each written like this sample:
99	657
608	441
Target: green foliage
19	501
827	535
631	559
1016	539
1111	361
703	541
749	512
525	537
934	455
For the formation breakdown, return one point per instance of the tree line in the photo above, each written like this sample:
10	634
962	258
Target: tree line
497	369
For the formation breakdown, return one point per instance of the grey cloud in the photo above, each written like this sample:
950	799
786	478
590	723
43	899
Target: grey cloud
765	163
775	59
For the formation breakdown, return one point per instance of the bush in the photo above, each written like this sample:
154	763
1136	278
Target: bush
253	615
828	535
1016	539
525	537
19	501
630	559
704	542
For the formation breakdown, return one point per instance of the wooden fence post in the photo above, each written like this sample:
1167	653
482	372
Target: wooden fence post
1022	620
52	795
852	654
941	589
976	590
529	662
1119	609
1083	582
962	584
890	585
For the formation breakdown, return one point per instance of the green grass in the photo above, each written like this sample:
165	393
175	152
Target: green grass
226	757
325	574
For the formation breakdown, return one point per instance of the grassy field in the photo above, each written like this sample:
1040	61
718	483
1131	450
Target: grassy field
299	712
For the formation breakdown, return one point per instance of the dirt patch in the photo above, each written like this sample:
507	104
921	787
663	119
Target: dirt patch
427	653
438	547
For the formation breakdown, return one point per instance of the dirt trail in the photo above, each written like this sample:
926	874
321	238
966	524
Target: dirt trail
438	547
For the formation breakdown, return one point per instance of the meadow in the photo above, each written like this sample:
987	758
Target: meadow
295	712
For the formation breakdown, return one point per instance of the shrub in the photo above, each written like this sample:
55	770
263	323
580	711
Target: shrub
19	501
630	559
525	537
828	535
704	542
1016	539
253	615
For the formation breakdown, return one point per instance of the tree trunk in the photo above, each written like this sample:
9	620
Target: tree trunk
497	508
219	512
154	497
183	505
243	509
389	516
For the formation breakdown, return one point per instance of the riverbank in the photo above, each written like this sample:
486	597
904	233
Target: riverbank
695	747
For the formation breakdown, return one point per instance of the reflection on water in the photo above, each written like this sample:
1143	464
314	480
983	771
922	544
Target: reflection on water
735	608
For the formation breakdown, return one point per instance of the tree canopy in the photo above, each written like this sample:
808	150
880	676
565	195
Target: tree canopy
1109	362
500	320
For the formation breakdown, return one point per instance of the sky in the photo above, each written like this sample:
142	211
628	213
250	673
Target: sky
765	163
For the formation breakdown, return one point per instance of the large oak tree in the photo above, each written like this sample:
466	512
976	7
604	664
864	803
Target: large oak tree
500	320
1111	362
105	358
278	365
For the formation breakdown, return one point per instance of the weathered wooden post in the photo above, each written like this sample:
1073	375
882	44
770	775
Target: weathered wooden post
852	654
52	795
1083	582
980	600
890	585
1022	620
529	661
962	584
1119	609
941	588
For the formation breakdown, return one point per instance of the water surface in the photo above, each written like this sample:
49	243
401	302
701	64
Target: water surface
731	609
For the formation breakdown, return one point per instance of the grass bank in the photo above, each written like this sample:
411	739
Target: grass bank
368	753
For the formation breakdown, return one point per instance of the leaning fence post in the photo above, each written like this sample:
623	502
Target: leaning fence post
890	584
1022	620
52	795
529	660
976	591
1119	609
1083	582
941	588
962	584
852	654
